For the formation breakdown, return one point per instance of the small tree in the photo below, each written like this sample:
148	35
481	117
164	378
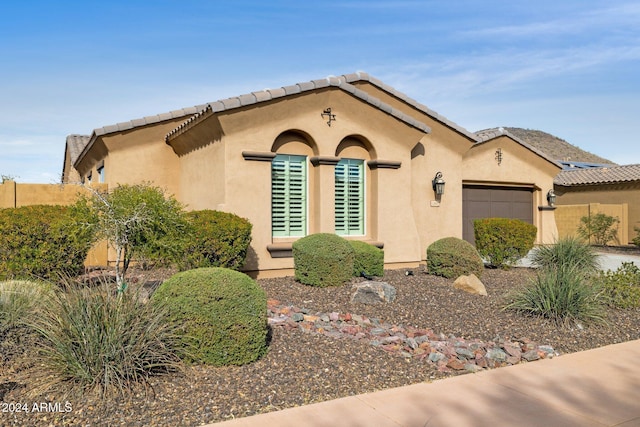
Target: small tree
136	220
601	228
636	240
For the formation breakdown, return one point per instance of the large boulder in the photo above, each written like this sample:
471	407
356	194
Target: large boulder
372	292
470	284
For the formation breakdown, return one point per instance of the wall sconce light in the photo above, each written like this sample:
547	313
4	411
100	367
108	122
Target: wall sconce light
327	113
438	184
551	197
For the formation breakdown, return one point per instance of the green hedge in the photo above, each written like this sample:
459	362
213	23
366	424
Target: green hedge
42	241
503	241
368	259
222	315
216	239
452	257
323	259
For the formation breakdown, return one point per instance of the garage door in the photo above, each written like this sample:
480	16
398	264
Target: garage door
494	202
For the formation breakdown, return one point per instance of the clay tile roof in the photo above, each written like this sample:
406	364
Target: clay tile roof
362	76
273	94
75	145
603	175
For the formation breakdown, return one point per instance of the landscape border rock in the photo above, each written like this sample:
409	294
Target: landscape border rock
448	353
470	284
372	292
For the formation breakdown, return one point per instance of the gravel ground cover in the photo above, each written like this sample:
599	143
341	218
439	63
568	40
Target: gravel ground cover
302	367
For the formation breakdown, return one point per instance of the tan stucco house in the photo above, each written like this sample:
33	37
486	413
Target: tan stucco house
347	155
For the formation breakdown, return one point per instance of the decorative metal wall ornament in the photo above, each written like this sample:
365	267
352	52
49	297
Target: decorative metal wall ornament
330	117
499	156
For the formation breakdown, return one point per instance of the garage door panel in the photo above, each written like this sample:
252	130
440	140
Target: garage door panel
494	202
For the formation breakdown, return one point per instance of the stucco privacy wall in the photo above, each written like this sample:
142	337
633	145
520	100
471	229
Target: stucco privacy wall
504	162
568	218
14	195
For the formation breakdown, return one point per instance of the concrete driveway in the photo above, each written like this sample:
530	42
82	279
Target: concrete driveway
608	260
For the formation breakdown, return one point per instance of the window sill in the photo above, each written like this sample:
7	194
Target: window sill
285	250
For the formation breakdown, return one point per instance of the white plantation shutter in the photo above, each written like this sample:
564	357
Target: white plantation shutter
289	195
349	197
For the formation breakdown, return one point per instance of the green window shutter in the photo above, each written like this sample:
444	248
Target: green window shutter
289	196
349	197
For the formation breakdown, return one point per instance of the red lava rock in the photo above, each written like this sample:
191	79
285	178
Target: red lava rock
455	364
482	362
512	350
347	317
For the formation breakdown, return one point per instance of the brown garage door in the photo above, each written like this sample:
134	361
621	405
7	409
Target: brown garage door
494	202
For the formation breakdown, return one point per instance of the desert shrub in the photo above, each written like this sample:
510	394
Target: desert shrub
368	259
636	240
42	241
323	259
566	252
621	288
452	257
221	314
93	340
599	228
216	239
139	221
562	294
20	300
503	241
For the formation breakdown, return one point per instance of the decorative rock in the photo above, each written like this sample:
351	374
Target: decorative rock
446	352
436	357
467	354
371	292
497	355
470	284
455	364
531	355
470	367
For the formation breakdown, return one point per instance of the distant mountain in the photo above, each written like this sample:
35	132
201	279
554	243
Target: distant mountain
555	147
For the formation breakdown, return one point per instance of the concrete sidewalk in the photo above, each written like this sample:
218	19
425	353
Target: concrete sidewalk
599	387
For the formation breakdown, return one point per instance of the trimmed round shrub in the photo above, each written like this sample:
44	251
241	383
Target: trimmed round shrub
503	241
221	314
368	259
452	257
217	239
323	259
42	241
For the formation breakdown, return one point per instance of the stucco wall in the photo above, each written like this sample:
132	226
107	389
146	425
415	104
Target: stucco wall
136	156
14	195
295	126
516	166
612	194
569	218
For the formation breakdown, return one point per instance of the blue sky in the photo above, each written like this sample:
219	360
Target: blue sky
567	67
